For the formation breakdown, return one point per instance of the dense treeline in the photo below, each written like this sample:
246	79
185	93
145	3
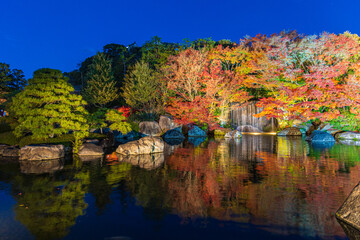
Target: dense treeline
293	76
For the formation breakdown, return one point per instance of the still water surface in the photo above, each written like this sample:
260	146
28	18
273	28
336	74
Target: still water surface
261	187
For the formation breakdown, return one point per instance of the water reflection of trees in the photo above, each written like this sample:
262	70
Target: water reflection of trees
284	183
48	205
266	182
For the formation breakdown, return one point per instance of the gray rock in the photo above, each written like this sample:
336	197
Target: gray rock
10	151
167	123
146	161
42	152
348	136
195	131
349	212
41	166
2	148
233	134
90	149
150	128
291	131
145	145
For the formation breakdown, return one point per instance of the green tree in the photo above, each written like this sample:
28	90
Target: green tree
156	53
117	121
10	79
47	107
100	87
49	206
140	89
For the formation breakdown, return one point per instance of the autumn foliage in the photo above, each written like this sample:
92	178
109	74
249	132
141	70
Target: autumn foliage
293	77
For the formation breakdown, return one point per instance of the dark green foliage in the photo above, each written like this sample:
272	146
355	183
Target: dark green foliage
140	89
96	119
47	107
117	121
49	205
100	87
10	80
156	53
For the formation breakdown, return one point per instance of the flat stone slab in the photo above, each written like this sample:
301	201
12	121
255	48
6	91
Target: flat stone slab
42	152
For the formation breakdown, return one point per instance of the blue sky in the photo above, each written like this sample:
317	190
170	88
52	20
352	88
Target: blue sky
61	34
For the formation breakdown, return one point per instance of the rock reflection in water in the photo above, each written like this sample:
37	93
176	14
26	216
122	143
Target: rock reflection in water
91	158
350	142
277	185
146	161
41	166
351	232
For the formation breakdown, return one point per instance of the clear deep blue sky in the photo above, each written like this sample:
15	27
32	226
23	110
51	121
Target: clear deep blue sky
62	33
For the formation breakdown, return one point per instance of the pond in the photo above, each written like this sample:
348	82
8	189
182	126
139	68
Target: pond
260	187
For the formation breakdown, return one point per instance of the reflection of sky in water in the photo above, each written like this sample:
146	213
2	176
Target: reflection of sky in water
261	187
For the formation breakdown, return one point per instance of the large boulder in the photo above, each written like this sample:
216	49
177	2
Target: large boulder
146	161
233	134
41	166
195	131
348	136
291	131
349	212
173	134
167	123
90	149
320	136
42	152
145	145
150	128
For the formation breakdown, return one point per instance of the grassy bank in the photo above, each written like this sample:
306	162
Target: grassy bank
66	139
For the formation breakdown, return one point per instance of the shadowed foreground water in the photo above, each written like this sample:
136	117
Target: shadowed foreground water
262	187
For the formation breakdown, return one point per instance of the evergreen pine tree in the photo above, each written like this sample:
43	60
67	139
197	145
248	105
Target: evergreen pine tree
46	107
141	87
100	87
